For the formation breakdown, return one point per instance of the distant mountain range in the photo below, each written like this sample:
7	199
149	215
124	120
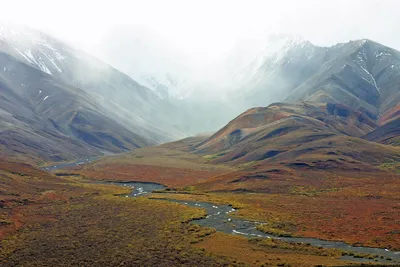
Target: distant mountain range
262	70
59	103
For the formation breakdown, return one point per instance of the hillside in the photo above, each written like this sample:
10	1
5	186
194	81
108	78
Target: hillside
61	103
300	169
388	133
68	101
287	132
306	170
42	117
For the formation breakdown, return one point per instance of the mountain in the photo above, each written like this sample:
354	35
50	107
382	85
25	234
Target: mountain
266	70
63	103
361	74
280	130
57	102
258	71
287	141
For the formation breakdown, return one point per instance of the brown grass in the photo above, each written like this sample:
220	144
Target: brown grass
62	222
260	253
169	167
357	210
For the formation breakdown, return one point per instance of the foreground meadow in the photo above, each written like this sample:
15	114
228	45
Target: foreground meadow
64	221
353	206
48	221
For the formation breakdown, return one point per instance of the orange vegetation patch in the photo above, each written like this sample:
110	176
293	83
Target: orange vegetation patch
162	165
169	176
368	221
243	250
97	228
360	221
357	209
18	218
23	188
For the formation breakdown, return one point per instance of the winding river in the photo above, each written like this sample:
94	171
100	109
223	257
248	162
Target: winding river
69	164
220	218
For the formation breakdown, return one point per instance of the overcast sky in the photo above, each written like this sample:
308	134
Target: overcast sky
211	26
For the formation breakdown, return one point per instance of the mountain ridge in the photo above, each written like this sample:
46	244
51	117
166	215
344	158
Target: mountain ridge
314	74
75	89
60	93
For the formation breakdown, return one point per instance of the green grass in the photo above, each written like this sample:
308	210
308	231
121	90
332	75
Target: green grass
213	156
391	165
277	228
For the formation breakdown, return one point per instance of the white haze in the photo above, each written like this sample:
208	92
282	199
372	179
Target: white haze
206	28
189	39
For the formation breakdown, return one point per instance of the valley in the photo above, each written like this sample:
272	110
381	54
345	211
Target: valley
318	200
222	218
290	200
56	221
297	253
324	186
282	153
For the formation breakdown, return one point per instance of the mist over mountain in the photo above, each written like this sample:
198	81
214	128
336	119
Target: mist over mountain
147	58
200	89
199	133
257	70
163	94
58	92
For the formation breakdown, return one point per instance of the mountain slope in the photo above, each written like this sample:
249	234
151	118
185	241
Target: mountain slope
284	118
45	118
138	107
294	143
388	134
281	63
318	136
363	74
389	130
58	103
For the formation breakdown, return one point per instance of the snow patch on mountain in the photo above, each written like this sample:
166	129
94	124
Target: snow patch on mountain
365	74
33	48
23	55
382	54
53	62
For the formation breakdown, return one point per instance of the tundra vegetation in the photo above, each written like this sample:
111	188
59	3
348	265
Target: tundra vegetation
52	220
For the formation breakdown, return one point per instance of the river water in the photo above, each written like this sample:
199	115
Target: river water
220	218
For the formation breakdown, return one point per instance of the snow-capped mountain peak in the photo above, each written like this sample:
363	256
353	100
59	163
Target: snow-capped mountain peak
248	57
33	48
